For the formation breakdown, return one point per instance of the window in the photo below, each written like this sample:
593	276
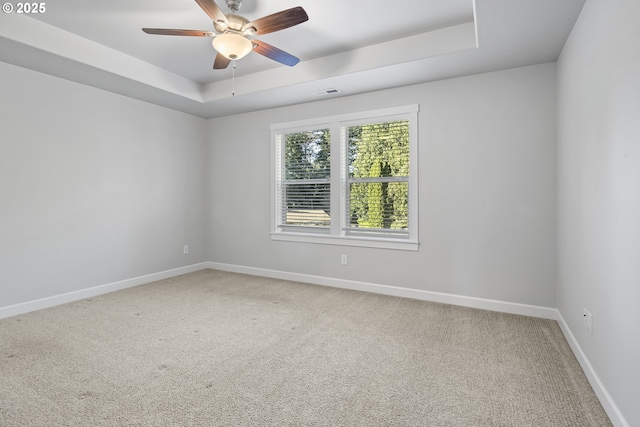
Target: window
306	180
348	180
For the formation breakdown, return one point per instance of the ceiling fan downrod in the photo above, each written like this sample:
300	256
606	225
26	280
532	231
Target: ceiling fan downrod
234	5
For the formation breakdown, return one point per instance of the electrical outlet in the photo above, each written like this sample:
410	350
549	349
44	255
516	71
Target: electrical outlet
185	249
343	259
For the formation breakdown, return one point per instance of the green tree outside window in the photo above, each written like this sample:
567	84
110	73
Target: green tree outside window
378	162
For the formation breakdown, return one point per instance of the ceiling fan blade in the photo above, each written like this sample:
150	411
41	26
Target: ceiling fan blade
278	21
174	32
274	53
211	8
221	62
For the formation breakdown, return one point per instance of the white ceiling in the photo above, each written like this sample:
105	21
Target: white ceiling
355	46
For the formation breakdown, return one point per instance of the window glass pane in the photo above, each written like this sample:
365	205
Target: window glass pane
307	173
379	205
379	150
307	155
307	204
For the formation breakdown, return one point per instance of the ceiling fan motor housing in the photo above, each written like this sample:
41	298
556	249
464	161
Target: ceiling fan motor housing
234	23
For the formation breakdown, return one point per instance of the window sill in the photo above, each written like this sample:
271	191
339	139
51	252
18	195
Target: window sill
363	242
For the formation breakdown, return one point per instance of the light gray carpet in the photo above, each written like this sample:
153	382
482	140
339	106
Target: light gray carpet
213	348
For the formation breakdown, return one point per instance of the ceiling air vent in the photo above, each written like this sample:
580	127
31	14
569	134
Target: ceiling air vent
324	92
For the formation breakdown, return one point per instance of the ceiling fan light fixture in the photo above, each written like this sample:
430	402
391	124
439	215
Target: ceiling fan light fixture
232	45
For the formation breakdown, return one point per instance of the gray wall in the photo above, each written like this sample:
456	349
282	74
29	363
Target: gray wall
599	193
94	187
487	190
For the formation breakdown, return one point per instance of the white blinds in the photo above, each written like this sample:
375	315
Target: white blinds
306	187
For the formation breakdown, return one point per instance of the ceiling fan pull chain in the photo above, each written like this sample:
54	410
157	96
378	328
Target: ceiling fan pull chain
233	79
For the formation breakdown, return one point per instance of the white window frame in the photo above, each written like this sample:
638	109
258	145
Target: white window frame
338	232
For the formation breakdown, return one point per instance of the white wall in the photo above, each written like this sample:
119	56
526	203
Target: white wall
94	187
599	193
487	190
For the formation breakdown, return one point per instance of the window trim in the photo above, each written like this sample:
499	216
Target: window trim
337	234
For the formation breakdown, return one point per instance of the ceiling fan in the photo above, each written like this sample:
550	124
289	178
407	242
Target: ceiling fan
233	31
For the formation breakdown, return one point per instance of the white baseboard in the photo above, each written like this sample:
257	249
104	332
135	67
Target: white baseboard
39	304
486	304
612	410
